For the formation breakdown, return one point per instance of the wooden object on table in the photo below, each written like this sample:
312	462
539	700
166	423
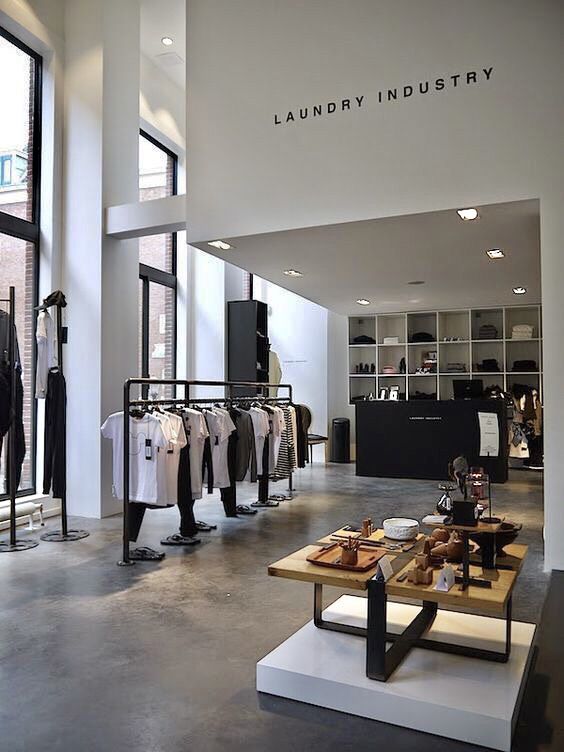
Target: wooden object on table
420	575
332	556
377	536
481	527
367	528
297	567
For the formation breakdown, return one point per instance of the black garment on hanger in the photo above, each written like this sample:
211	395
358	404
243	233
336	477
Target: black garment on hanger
207	464
188	527
229	495
54	473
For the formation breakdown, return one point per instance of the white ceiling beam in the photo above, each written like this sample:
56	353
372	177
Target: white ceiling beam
146	217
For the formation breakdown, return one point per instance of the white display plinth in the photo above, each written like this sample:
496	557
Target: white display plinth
472	700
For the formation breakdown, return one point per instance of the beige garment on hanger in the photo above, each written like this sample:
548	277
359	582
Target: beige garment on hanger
274	372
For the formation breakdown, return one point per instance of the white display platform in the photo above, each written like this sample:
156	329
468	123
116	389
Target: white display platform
472	700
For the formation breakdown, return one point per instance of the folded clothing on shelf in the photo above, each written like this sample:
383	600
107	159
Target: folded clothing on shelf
488	365
422	337
487	331
389	370
391	340
525	365
364	339
522	331
456	367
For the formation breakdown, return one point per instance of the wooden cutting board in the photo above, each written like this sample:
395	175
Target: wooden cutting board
330	556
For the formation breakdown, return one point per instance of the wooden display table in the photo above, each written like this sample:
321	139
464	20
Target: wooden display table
380	660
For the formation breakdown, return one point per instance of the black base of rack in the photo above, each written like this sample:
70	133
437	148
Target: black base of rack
19	545
57	536
125	563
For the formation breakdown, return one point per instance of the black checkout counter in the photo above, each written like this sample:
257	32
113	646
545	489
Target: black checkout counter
418	438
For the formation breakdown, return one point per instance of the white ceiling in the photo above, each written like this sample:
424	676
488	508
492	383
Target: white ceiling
165	18
376	259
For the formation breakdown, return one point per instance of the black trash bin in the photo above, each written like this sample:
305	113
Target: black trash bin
340	440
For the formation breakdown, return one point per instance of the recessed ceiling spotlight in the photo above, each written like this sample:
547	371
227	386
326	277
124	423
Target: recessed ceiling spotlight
417	282
220	245
292	273
167	41
495	253
363	301
519	290
467	214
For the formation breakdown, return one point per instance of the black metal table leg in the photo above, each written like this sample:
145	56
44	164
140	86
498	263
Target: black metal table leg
331	626
465	579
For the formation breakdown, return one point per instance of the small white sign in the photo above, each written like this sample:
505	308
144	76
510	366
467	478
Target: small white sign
385	565
489	434
446	579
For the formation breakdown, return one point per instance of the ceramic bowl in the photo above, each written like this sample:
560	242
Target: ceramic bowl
400	528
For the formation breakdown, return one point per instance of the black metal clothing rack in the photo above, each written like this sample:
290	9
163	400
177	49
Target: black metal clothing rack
229	386
14	543
64	534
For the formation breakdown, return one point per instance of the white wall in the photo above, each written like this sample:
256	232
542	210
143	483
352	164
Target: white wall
297	330
162	107
490	142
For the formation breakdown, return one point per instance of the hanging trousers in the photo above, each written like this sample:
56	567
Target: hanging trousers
229	494
13	422
188	527
54	473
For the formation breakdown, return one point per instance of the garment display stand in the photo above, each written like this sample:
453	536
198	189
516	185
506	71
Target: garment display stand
230	388
14	543
64	534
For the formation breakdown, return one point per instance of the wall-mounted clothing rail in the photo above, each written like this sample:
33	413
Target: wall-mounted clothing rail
55	427
13	377
187	400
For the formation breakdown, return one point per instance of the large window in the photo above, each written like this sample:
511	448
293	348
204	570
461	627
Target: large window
157	267
20	148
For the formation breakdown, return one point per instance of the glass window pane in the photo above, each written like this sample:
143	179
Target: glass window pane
161	331
156	171
157	251
17	84
17	268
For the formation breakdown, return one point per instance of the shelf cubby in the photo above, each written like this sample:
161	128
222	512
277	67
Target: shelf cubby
529	315
487	317
364	354
454	352
418	323
392	325
362	386
362	326
454	324
390	355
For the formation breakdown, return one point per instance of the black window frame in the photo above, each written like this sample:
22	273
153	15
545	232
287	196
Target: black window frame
148	274
30	231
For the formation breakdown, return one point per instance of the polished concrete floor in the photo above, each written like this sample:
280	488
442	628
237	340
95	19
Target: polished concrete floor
161	657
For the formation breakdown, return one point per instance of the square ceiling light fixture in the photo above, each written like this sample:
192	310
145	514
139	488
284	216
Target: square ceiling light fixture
519	290
467	215
495	253
363	301
221	245
292	273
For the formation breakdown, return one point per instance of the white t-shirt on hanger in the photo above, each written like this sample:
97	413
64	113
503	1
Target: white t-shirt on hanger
143	481
169	457
47	355
196	432
261	427
220	427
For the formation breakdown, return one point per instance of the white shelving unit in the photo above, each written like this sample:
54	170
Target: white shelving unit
462	350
